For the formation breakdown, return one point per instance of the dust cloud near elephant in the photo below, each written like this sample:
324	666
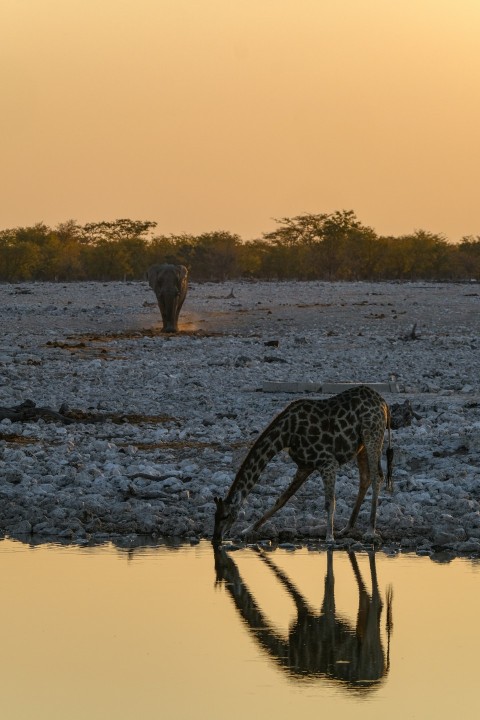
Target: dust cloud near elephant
169	283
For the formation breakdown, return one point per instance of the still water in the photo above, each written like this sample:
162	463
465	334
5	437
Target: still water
179	633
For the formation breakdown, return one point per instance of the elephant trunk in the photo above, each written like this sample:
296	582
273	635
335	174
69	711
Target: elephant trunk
168	303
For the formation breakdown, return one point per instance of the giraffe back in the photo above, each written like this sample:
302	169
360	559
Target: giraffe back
335	428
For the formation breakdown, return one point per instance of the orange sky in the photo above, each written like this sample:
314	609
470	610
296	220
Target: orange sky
223	114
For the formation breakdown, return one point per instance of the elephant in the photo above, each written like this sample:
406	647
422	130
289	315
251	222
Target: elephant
169	283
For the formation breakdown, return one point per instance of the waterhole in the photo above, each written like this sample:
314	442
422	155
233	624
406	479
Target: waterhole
182	632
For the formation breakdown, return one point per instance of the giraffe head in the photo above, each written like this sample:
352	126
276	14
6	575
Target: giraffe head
224	517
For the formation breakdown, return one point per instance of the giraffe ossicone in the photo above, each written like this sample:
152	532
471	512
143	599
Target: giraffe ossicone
321	435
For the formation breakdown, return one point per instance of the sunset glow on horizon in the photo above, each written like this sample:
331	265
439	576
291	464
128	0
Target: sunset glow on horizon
209	115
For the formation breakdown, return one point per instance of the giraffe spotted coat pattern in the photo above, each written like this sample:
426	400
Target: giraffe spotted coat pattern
320	435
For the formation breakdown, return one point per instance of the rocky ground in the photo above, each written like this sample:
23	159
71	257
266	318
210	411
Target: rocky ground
158	424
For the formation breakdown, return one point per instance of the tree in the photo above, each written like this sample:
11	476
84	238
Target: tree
214	256
321	246
176	249
251	258
421	255
18	260
468	257
295	243
69	261
116	250
22	251
116	231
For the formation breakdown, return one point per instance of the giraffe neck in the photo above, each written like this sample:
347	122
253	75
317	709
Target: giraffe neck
270	442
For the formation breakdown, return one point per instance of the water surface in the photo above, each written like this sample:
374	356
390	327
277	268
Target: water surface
178	633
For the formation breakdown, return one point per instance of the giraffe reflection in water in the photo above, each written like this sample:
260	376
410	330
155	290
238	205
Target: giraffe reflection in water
319	644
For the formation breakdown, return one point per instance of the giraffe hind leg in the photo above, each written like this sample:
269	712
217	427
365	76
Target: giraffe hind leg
300	476
374	451
365	481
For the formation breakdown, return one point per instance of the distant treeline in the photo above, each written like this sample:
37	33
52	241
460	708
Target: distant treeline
307	247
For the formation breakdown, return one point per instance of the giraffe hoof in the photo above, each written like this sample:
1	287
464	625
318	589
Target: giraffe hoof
373	537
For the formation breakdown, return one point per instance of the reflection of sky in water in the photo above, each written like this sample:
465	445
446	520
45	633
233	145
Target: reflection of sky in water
106	633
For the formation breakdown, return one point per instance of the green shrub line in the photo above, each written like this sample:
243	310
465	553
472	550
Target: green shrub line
330	247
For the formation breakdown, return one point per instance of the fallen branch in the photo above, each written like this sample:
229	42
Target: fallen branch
29	412
412	335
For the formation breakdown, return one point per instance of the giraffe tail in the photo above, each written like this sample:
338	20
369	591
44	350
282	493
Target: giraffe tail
389	626
389	454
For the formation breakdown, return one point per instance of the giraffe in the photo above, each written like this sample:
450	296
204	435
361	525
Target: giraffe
320	643
319	435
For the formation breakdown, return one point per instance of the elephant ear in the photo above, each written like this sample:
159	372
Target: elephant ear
182	272
152	275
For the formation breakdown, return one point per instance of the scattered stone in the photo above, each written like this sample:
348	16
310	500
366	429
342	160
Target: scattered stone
159	425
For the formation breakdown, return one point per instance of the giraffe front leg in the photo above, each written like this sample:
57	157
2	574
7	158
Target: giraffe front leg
329	476
300	476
